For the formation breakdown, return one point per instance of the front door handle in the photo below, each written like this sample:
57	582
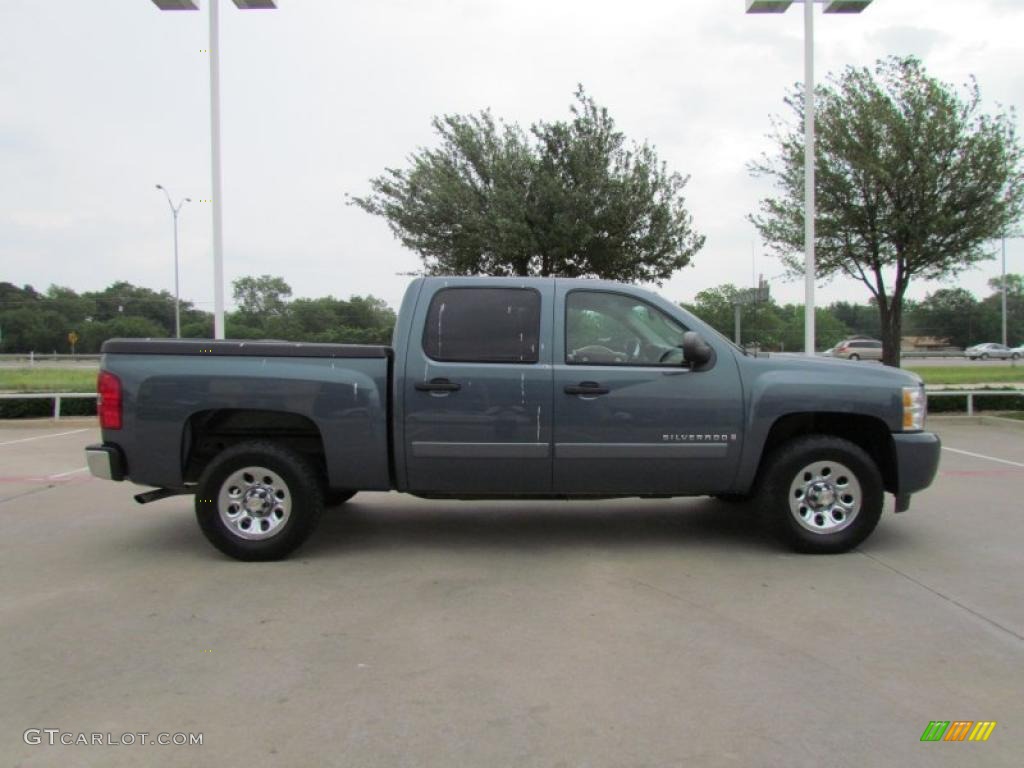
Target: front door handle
437	385
586	388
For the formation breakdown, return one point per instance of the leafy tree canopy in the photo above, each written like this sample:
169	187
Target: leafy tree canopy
913	180
569	198
262	296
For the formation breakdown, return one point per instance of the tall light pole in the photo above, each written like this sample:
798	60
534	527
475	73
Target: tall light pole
831	6
1003	286
218	235
1006	236
177	297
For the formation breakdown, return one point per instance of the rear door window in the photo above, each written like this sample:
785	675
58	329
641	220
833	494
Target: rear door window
483	325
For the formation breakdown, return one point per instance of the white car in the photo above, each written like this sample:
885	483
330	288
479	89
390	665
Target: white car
992	350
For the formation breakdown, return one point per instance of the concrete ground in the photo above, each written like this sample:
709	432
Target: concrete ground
415	633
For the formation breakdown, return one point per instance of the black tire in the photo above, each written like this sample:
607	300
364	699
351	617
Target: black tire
334	497
782	471
855	356
294	480
1015	356
984	356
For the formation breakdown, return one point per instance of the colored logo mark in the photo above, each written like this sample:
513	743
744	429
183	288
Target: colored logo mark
958	730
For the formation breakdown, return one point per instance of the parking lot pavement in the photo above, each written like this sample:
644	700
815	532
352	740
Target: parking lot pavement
409	633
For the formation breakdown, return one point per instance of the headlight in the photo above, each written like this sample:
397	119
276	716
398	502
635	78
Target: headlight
915	406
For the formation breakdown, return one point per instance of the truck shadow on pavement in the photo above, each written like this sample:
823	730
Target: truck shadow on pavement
471	526
461	526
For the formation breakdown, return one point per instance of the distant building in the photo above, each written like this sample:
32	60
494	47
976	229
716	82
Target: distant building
924	343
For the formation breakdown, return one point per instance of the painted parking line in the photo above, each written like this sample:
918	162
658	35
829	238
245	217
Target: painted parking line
43	437
68	473
983	456
58	477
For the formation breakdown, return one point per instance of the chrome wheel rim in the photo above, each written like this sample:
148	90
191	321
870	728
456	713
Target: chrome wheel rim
825	497
254	503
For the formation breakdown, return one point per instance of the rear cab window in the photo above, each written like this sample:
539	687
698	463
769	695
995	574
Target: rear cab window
483	325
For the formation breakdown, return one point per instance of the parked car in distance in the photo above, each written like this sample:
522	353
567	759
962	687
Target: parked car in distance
858	349
992	350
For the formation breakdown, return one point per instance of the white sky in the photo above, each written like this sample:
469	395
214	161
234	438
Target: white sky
102	99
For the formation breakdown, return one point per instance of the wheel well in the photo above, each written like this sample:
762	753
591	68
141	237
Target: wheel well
871	434
207	433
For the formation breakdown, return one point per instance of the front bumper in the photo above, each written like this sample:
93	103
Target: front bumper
917	460
105	462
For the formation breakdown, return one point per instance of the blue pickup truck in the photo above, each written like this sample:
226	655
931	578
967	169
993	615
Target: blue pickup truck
510	388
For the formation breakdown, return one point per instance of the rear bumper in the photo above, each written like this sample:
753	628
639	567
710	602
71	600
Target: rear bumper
917	461
105	462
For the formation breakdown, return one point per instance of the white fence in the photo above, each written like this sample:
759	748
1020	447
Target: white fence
32	358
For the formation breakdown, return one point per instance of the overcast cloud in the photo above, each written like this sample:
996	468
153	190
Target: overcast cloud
101	100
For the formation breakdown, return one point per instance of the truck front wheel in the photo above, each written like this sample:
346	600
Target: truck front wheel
821	494
258	501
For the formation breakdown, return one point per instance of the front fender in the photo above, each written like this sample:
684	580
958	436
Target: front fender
777	394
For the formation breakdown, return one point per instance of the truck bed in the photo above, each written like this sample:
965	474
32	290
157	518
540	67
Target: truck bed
186	398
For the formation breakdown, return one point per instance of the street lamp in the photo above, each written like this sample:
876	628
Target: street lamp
218	237
177	298
831	6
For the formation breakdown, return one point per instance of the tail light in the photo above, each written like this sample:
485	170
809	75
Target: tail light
108	405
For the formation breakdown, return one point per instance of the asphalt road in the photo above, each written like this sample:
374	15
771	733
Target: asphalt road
415	633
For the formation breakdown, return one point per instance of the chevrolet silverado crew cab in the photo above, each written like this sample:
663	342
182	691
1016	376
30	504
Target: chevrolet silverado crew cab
522	388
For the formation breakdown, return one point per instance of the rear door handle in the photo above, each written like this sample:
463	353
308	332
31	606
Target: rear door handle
437	385
586	388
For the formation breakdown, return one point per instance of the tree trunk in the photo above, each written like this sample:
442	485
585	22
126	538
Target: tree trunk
891	315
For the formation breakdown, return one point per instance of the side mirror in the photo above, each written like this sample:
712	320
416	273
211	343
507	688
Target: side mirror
696	351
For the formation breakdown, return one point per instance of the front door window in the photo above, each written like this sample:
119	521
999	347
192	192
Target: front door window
611	329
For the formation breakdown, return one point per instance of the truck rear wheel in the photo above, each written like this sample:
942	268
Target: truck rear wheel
821	494
258	501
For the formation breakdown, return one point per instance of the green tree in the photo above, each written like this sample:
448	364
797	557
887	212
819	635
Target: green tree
912	181
859	319
13	297
261	297
829	330
760	322
992	307
122	299
125	327
34	329
197	325
952	314
74	308
569	198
